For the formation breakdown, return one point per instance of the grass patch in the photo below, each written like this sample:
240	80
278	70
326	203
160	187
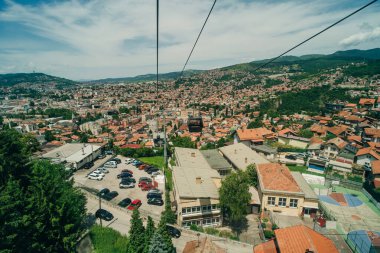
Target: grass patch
169	178
107	240
157	161
302	169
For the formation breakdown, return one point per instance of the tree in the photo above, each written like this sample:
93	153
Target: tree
306	133
136	233
184	142
49	136
31	143
149	232
251	175
158	244
234	197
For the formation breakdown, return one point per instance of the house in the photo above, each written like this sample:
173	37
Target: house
375	173
196	196
279	191
368	103
365	156
216	161
318	130
371	135
265	150
333	147
297	239
254	136
240	156
293	140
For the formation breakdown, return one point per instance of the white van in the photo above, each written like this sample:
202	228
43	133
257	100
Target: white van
110	164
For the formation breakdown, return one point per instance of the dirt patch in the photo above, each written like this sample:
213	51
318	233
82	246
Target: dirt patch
355	217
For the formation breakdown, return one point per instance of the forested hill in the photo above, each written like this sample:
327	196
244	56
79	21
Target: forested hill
9	80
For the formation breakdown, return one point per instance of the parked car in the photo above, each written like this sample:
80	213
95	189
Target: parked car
129	160
110	164
103	214
101	156
97	172
143	166
147	187
156	173
136	163
155	191
135	204
151	170
155	201
126	170
103	191
173	232
108	152
291	157
124	185
146	179
117	160
102	170
154	195
111	195
88	165
124	174
142	183
128	179
125	202
95	177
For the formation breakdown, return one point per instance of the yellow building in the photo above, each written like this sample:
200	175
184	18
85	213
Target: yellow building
285	192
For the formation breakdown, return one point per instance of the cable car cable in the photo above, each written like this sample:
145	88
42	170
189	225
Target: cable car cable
199	35
315	35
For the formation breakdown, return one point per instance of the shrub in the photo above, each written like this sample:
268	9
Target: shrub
268	234
196	228
263	225
211	231
274	226
265	220
225	234
235	238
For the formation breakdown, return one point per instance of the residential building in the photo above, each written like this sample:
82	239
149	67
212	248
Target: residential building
365	156
297	239
196	196
293	140
333	147
216	161
280	192
254	136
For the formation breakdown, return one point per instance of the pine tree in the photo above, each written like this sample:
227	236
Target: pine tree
159	244
149	232
136	233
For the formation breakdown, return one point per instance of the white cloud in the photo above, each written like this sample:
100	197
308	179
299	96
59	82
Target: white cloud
362	37
117	37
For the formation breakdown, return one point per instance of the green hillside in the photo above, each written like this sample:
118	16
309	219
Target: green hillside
9	80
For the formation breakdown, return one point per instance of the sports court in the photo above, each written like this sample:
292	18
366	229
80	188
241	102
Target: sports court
363	241
341	199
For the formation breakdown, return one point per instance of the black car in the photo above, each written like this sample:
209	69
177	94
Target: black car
127	180
155	201
103	192
88	165
173	232
117	160
101	156
124	175
291	157
103	214
108	152
151	170
125	202
154	195
110	195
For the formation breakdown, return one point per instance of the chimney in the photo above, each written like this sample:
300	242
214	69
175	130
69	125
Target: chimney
246	160
192	154
198	180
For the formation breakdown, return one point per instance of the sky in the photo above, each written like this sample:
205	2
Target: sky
94	39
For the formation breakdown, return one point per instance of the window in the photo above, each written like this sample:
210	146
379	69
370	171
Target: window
271	201
194	209
293	202
282	201
209	208
198	209
188	210
204	208
183	210
213	207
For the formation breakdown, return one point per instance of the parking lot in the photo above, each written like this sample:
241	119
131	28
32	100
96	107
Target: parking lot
111	182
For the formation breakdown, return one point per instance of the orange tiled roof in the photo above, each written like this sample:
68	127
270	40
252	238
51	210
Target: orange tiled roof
253	134
372	132
367	101
375	167
265	247
356	138
298	239
318	129
337	130
274	176
340	143
368	150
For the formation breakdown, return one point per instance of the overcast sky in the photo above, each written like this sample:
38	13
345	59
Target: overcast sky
92	39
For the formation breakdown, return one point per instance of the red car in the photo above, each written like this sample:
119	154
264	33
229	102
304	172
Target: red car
147	187
142	183
134	205
129	171
143	166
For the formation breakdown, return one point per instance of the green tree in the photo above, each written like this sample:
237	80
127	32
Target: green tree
251	173
136	233
149	232
184	142
306	133
31	143
234	197
49	136
158	244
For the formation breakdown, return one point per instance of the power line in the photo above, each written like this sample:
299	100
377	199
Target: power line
315	35
199	35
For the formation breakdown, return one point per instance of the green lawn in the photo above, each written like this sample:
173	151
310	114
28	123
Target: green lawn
157	161
302	169
107	240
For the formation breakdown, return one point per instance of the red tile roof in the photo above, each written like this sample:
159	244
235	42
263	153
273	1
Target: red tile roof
253	134
368	150
276	177
265	247
298	239
367	101
375	165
